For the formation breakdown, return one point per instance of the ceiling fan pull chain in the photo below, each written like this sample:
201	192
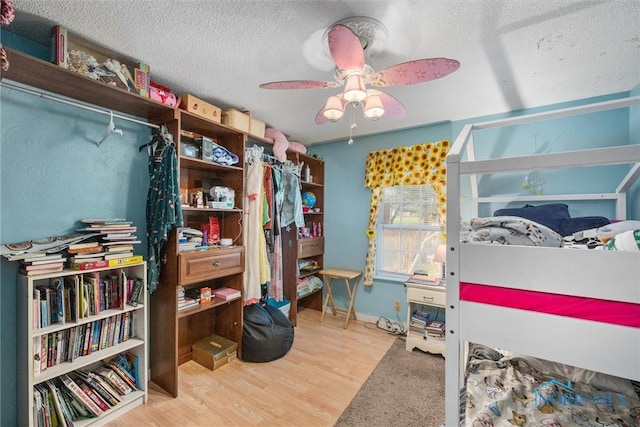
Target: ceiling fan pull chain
352	125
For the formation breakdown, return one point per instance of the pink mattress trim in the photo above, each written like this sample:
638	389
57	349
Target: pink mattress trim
614	312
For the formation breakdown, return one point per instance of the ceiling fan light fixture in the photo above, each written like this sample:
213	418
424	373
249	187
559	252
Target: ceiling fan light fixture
355	90
333	109
373	108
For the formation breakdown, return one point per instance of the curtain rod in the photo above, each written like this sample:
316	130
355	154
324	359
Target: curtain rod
75	104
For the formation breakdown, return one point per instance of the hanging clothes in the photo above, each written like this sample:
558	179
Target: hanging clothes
164	210
292	200
257	270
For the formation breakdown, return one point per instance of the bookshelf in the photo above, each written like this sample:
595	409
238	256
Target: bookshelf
430	300
121	329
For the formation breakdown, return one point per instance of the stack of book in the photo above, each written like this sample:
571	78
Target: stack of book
117	236
421	278
435	329
185	302
42	264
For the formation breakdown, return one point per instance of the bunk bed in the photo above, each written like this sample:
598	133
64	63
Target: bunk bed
490	286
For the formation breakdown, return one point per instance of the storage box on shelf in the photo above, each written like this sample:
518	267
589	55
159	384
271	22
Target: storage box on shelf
202	108
54	345
308	243
236	119
176	331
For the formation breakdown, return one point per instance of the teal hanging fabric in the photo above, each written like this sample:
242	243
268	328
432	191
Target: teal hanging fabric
164	210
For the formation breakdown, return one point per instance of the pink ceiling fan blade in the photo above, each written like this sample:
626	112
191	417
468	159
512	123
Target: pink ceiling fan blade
299	84
412	72
345	49
392	107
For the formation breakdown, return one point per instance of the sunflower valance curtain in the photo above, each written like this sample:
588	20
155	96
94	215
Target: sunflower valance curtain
416	165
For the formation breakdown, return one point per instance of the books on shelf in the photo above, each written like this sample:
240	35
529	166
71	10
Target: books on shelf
435	329
226	294
50	269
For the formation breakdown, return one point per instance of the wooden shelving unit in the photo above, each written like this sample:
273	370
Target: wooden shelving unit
295	248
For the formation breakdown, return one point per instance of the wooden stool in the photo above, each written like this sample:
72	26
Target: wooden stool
351	279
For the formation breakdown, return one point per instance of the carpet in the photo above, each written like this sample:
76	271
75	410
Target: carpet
405	389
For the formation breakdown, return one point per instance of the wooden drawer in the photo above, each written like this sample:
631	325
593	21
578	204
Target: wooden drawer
310	247
427	296
199	266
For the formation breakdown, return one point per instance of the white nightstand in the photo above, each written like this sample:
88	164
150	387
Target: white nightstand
430	299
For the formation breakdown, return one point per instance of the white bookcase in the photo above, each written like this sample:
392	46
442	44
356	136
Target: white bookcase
29	334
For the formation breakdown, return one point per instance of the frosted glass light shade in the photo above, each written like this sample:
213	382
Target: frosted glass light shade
333	109
355	90
373	107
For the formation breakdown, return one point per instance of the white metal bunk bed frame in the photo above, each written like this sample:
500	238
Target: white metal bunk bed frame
601	347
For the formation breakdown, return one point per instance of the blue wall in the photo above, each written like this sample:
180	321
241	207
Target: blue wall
52	174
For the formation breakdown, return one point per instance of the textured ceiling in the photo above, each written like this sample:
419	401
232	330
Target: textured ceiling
514	54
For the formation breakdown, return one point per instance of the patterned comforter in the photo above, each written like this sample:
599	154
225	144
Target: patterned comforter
509	230
511	391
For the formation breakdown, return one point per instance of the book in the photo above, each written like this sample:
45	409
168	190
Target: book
128	362
41	257
81	266
136	292
124	261
80	395
114	380
106	386
119	248
55	269
84	245
93	395
118	255
47	266
126	377
62	412
423	279
51	261
226	294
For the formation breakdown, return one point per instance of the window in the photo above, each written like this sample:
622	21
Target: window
408	232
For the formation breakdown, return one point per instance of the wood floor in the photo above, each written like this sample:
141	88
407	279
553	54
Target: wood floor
310	386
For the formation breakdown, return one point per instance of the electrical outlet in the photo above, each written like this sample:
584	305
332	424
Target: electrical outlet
396	305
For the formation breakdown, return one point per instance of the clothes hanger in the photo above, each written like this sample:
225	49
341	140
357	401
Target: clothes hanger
111	128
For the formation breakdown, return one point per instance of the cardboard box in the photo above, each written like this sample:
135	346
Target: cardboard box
236	119
98	63
214	351
200	107
256	127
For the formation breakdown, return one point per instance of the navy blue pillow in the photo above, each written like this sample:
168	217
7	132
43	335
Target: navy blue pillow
550	215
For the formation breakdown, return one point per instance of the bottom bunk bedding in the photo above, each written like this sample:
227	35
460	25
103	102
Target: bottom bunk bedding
524	391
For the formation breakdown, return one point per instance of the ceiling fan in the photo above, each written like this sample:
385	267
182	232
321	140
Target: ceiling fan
349	40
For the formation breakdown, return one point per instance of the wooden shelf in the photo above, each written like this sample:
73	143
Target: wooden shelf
215	302
46	76
203	165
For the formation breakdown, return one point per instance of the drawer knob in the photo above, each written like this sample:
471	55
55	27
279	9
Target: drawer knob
216	263
427	298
